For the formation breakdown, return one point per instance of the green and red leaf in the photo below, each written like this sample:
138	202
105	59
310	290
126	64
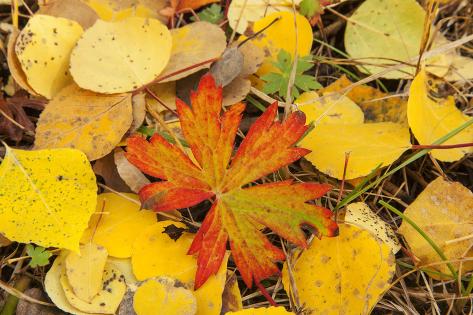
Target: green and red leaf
237	213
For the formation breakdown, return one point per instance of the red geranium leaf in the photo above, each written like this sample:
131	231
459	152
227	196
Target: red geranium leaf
237	213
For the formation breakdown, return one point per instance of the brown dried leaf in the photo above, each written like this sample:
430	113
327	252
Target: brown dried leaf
75	10
131	175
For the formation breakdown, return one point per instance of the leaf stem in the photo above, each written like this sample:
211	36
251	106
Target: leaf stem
265	293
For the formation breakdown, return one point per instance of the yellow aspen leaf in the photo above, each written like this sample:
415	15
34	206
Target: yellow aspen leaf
155	240
43	48
108	298
124	266
381	33
116	57
282	35
347	274
431	117
91	122
192	44
369	146
443	211
84	271
164	295
360	215
47	196
209	295
262	311
376	105
53	287
166	92
243	13
117	223
461	69
329	109
116	10
14	64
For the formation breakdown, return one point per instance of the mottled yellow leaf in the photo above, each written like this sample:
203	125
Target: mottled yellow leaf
91	122
124	266
443	211
431	117
360	215
46	196
84	271
106	301
376	105
53	287
369	145
154	240
385	32
193	44
347	274
116	57
243	13
262	311
329	109
117	223
115	10
43	49
281	35
164	295
14	64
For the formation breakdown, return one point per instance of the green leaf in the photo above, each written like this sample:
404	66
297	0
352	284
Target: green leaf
212	14
39	255
277	82
309	8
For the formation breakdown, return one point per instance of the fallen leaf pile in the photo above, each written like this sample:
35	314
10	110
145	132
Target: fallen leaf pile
236	157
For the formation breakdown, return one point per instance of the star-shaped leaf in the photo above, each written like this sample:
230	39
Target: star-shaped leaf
39	255
237	213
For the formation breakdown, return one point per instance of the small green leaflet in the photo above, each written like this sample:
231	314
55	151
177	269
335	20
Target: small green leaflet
309	8
212	14
278	82
39	255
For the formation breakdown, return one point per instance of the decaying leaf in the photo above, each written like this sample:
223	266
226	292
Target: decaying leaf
360	215
47	196
106	301
75	10
124	266
130	174
116	10
281	206
385	33
139	111
164	295
347	274
281	35
443	211
105	168
262	311
117	223
91	122
242	14
192	44
431	117
4	241
84	270
376	105
25	307
154	240
43	48
14	64
116	57
231	296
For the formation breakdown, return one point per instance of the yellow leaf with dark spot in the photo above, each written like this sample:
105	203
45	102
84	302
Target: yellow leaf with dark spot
47	196
116	57
347	274
43	49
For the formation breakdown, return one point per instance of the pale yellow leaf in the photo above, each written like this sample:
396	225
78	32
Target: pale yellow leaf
383	33
347	274
116	57
461	69
193	44
116	10
369	146
84	271
164	295
124	266
106	301
117	223
47	196
443	211
166	92
43	48
360	215
91	122
431	117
